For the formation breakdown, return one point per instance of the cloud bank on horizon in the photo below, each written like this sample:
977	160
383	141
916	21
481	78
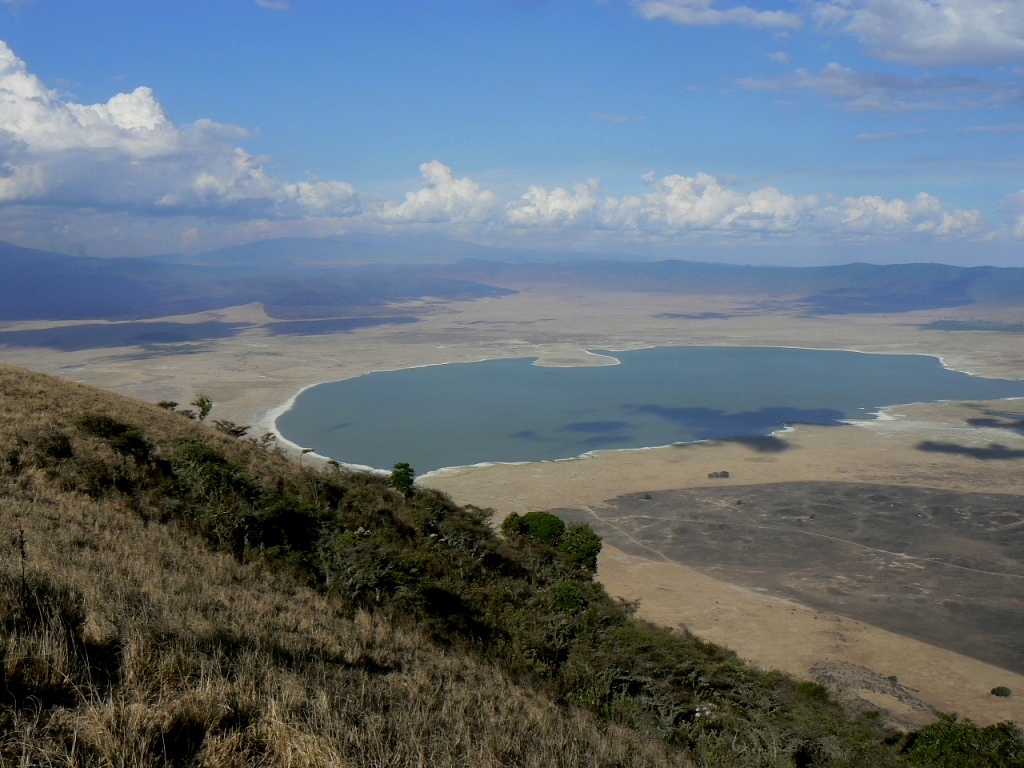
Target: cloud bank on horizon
119	176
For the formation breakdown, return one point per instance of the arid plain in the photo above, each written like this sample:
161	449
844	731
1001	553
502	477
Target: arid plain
253	373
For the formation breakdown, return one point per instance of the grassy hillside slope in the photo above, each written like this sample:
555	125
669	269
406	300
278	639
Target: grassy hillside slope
170	595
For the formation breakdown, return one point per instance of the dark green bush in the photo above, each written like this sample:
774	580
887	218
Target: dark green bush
566	597
100	425
540	526
1001	690
55	445
126	439
512	525
581	544
402	478
955	743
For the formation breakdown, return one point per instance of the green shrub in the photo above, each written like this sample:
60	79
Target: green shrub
813	690
955	743
1001	690
204	403
581	544
543	527
402	478
57	445
512	525
100	425
126	439
566	597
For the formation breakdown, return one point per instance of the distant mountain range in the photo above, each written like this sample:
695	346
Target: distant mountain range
358	274
41	285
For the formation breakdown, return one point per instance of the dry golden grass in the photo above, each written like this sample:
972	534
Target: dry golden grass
129	643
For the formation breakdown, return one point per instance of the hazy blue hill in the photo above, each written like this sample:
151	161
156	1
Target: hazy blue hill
289	252
356	275
41	284
38	285
840	289
365	248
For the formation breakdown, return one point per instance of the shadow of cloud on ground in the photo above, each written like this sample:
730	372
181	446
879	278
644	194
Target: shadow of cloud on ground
75	338
333	325
714	423
844	301
762	443
1011	421
995	451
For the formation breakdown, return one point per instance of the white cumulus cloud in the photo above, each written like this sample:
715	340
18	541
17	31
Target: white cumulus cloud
933	32
126	154
678	203
543	207
443	198
1014	204
874	215
704	12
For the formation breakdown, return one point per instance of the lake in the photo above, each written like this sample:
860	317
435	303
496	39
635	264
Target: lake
511	410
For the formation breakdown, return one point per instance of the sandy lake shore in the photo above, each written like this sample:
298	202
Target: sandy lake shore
251	376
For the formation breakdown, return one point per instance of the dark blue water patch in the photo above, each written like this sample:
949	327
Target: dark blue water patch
609	440
596	427
711	423
693	316
511	410
972	325
73	338
530	434
333	325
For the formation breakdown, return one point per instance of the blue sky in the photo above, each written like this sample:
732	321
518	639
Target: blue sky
765	131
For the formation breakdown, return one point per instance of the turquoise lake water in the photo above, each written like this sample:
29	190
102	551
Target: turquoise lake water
512	410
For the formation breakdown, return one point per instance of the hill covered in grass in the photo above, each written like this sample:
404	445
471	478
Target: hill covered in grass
172	595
